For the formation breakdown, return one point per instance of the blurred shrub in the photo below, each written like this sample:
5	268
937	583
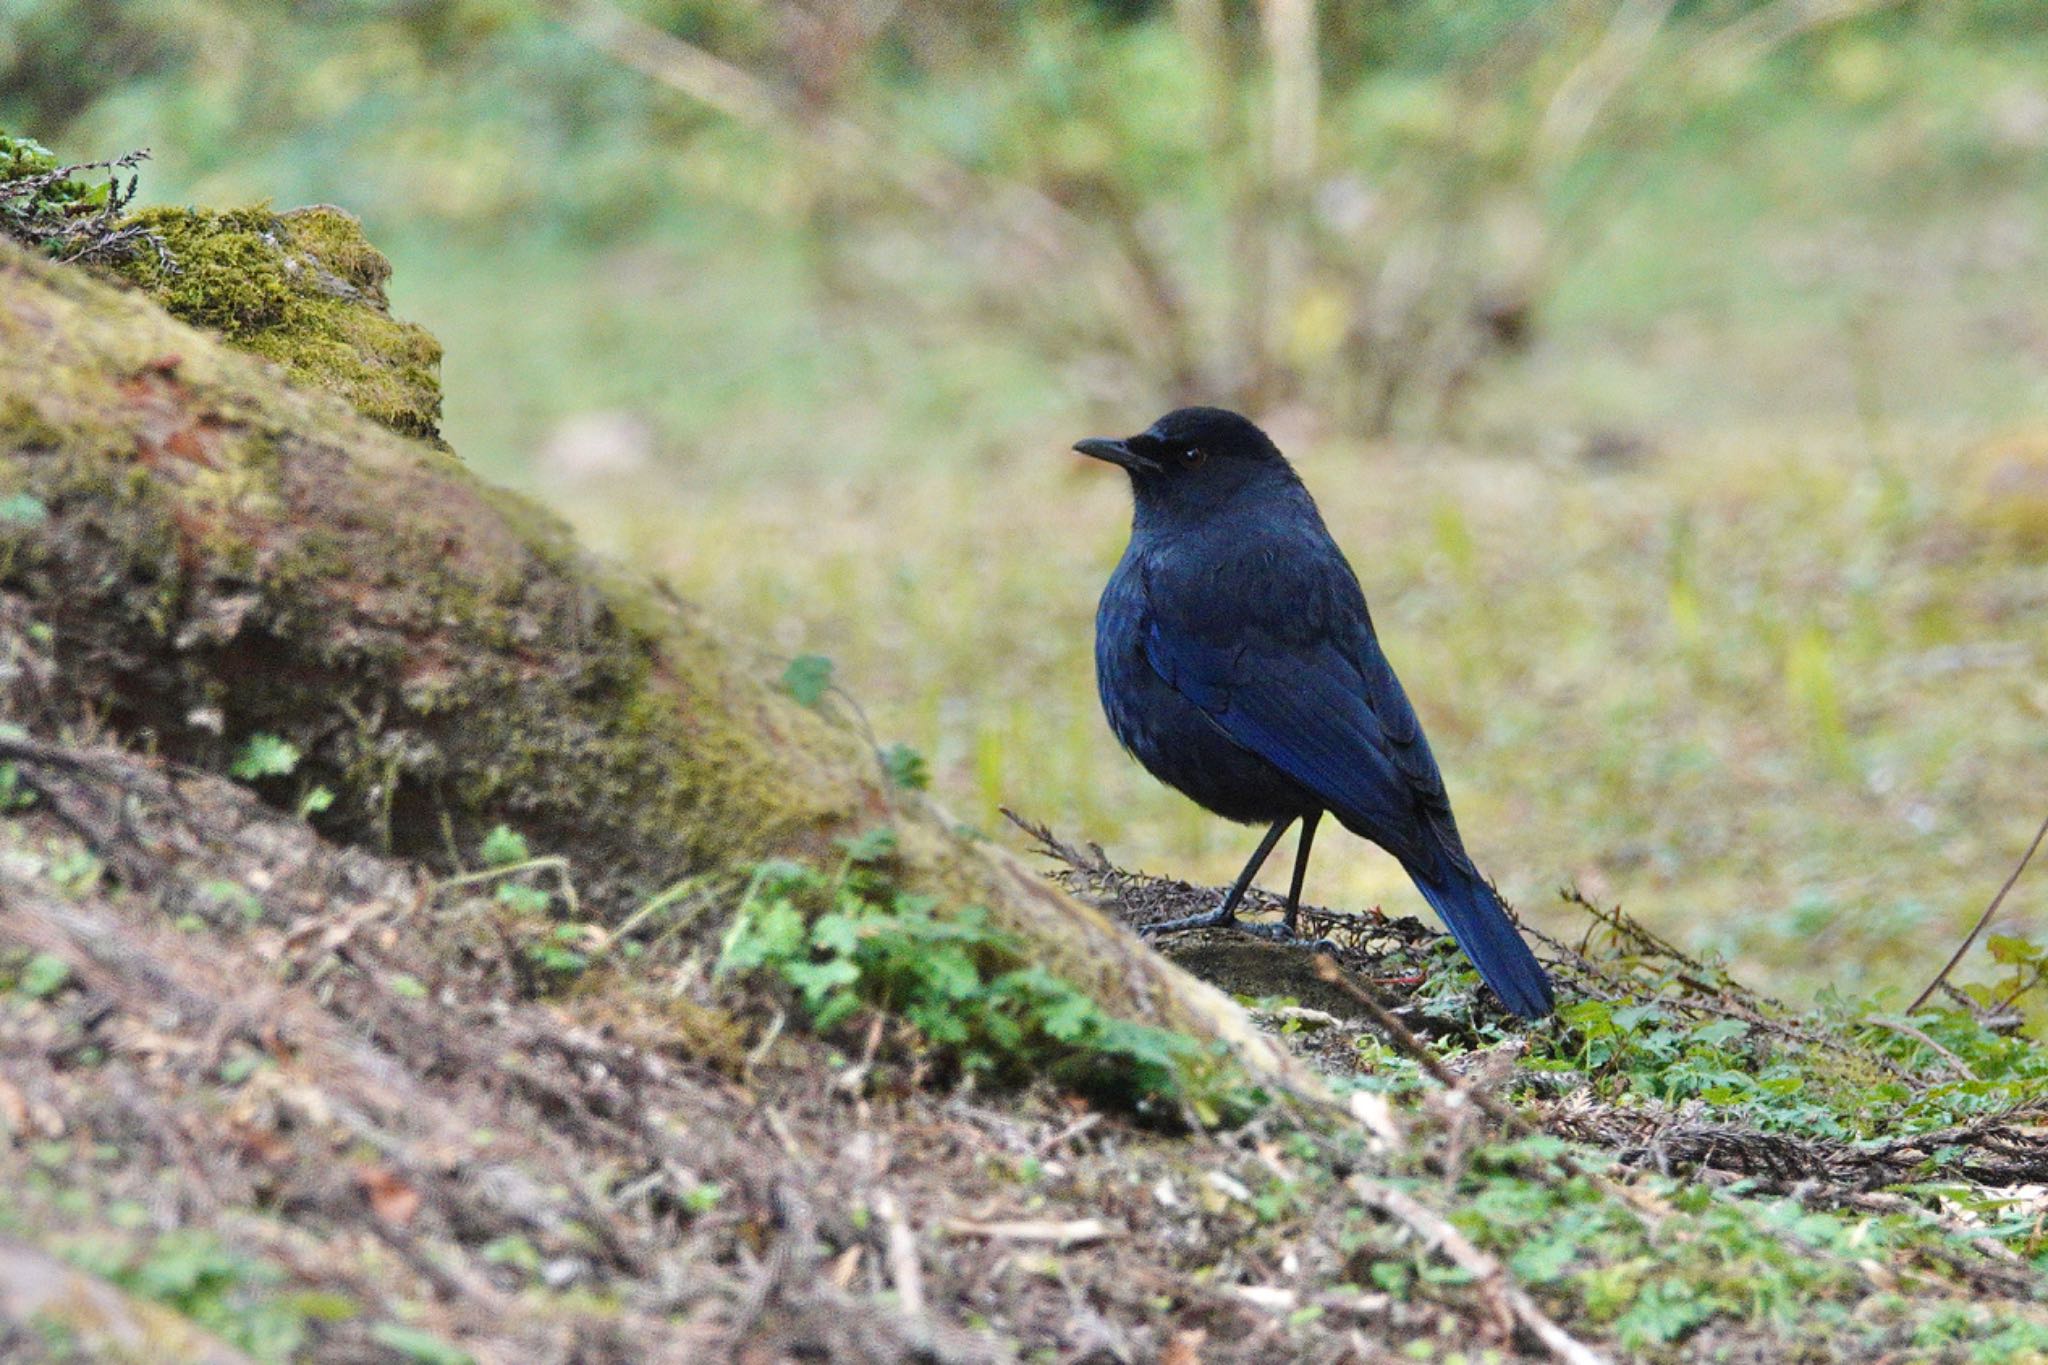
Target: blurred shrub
1361	208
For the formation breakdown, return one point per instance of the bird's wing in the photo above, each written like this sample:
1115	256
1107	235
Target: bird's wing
1312	694
1291	671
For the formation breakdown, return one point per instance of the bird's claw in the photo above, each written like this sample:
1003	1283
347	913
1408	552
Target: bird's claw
1275	933
1287	938
1280	933
1208	919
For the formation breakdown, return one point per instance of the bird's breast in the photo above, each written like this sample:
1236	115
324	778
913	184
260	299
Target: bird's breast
1173	738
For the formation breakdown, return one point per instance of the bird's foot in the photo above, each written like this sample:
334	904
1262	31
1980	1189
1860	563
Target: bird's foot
1222	917
1272	931
1287	938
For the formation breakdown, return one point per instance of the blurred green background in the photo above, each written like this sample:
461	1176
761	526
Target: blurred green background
1675	373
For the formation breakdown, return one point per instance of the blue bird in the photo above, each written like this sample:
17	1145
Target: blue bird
1237	662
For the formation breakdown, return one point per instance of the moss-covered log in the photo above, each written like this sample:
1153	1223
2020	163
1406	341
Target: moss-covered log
220	553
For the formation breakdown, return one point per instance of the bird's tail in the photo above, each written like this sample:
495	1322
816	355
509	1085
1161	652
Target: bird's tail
1482	928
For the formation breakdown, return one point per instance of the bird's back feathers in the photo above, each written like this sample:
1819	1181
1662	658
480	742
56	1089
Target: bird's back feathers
1258	621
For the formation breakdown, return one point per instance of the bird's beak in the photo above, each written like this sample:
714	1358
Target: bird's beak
1116	452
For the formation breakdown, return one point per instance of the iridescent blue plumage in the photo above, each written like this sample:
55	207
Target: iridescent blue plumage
1237	662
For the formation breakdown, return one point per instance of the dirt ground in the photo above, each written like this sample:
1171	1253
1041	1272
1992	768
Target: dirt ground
321	1107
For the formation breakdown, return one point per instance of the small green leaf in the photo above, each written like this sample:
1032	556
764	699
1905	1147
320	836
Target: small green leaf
502	847
807	678
820	981
265	755
836	934
1071	1018
524	900
23	509
1718	1032
1542	1261
2010	950
514	1251
321	1305
559	952
1594	1018
906	767
44	975
1629	1017
873	847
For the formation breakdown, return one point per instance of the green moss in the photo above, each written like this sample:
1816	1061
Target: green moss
305	289
336	239
25	426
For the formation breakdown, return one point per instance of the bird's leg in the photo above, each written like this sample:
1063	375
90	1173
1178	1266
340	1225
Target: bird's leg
1226	913
1308	837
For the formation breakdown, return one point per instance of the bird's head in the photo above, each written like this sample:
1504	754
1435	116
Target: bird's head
1194	461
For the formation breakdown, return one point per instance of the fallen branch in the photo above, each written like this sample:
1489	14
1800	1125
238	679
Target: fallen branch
900	1253
2005	1151
1072	1232
1512	1301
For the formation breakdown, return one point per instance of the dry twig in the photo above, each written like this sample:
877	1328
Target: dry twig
1983	921
1071	1232
1513	1302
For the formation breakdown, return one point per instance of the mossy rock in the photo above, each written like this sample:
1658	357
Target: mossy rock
305	289
2003	491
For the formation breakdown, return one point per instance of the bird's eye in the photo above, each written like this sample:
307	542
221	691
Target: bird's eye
1193	455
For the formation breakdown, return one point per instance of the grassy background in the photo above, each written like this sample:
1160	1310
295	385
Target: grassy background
1701	594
